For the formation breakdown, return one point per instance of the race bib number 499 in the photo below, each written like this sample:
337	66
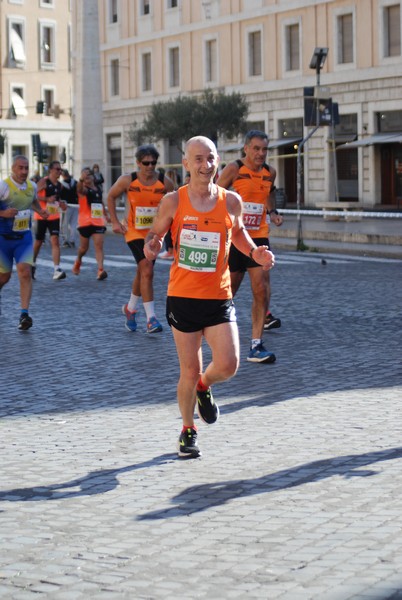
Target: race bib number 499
199	250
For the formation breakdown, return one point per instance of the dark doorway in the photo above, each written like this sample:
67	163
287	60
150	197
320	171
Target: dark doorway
347	172
290	174
391	175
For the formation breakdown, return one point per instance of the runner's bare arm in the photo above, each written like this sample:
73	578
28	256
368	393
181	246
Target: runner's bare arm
37	208
162	222
228	175
119	188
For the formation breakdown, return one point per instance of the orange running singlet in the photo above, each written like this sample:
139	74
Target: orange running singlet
91	211
254	187
52	208
201	244
143	201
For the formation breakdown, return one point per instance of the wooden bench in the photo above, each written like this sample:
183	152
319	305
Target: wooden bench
345	209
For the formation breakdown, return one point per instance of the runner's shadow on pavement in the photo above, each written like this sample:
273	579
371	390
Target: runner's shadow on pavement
261	401
199	498
96	482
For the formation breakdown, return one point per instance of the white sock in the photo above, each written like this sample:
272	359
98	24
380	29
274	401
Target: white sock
255	343
149	308
133	302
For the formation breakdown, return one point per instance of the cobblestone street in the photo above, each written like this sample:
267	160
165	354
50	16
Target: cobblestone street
298	494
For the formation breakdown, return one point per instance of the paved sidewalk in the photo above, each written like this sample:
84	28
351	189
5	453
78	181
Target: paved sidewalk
367	236
298	495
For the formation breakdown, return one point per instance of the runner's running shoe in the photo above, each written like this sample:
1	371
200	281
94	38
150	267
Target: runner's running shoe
187	445
271	322
59	274
76	267
167	255
101	275
153	325
261	355
131	323
25	322
207	409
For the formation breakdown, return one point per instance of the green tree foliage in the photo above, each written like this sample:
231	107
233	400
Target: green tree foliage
212	114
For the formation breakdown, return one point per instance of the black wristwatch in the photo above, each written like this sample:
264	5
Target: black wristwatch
273	211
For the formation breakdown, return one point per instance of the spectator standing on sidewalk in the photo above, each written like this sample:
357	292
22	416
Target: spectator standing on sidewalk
17	198
99	180
204	220
254	180
69	217
92	217
49	189
144	189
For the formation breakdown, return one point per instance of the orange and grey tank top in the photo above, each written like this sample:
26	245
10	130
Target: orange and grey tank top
254	187
143	201
90	208
51	189
201	243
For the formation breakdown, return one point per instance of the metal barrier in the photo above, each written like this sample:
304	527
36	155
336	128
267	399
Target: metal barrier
313	212
335	213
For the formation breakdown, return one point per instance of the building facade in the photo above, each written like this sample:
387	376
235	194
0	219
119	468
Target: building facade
35	82
154	50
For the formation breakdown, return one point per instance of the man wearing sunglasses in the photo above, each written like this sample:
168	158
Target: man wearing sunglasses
144	190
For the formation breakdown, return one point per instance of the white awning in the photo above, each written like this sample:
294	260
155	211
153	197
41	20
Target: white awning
19	105
343	138
230	148
287	141
379	138
17	47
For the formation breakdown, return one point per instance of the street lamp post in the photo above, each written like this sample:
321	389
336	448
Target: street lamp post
317	62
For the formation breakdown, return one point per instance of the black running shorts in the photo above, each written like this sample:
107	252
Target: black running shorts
189	314
137	249
89	230
239	262
44	225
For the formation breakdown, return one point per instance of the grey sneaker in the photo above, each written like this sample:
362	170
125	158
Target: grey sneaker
59	274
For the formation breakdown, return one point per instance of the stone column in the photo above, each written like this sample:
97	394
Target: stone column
87	89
